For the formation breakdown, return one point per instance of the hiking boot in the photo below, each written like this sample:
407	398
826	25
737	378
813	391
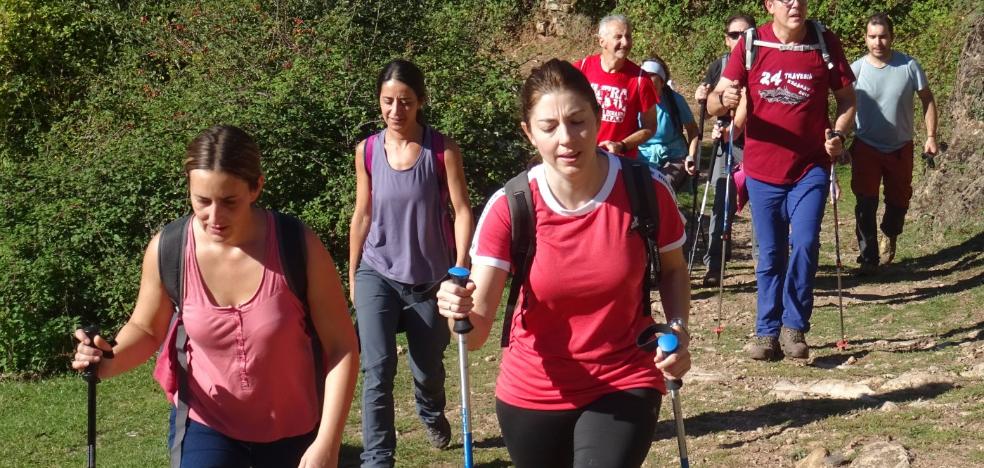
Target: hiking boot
764	348
867	269
711	279
439	433
793	343
887	249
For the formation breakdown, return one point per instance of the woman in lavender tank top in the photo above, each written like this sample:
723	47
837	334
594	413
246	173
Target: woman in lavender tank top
401	243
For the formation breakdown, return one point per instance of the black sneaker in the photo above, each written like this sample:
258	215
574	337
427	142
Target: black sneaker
867	269
439	433
712	279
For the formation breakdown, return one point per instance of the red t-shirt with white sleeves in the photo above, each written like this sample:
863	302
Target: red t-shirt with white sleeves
578	315
623	95
787	110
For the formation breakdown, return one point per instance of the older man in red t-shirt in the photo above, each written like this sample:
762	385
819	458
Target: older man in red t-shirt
789	147
623	90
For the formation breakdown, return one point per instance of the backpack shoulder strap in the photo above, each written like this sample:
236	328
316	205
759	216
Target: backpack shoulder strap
645	221
292	245
437	147
170	258
751	35
824	52
367	153
293	253
170	265
522	243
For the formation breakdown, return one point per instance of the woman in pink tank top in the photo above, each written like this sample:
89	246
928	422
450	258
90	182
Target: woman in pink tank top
250	384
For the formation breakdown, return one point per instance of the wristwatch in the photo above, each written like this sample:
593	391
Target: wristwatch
839	134
678	323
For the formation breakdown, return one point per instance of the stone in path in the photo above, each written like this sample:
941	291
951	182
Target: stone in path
816	459
882	455
831	388
913	380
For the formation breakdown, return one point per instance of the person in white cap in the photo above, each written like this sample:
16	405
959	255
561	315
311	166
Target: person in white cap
668	150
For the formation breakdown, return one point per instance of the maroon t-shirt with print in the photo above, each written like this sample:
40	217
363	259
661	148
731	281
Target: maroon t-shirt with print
787	109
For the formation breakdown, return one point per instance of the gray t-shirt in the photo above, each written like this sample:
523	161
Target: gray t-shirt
885	100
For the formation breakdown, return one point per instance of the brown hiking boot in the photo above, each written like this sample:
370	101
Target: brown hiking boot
764	348
793	343
886	248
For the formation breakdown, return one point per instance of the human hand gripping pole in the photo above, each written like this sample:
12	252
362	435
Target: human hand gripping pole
91	375
662	336
459	275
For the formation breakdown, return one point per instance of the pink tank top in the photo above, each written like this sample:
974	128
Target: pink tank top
251	368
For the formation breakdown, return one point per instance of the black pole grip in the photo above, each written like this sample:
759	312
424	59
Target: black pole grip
460	277
91	371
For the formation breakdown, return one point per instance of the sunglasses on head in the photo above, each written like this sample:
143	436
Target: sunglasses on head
734	35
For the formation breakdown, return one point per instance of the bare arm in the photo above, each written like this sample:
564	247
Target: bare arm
143	333
674	293
724	98
846	106
931	117
464	221
478	302
326	299
361	216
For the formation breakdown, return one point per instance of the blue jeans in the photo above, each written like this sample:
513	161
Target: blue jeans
787	225
383	307
206	447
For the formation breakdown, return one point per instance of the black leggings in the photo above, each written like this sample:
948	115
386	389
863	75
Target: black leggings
615	430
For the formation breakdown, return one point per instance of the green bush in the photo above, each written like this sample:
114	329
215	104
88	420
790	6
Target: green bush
99	98
77	213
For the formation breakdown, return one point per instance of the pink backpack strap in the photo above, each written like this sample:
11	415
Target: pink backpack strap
367	152
437	147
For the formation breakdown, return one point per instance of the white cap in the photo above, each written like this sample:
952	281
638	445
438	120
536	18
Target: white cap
653	67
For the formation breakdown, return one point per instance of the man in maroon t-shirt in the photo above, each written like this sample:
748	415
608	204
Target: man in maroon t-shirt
789	147
622	89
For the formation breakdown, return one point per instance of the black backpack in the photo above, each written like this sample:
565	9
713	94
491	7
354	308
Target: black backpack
638	179
170	263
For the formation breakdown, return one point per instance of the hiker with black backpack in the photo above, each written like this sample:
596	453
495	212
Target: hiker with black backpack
247	359
668	150
401	243
586	235
735	26
788	65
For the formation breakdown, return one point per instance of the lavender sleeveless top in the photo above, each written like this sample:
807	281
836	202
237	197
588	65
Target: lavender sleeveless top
410	238
250	364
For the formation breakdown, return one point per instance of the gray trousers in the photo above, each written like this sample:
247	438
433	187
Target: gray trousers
383	307
712	256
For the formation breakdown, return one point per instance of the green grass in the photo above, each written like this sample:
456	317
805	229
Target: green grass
933	293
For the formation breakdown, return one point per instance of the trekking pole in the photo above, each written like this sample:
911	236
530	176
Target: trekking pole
460	277
842	343
665	338
91	375
725	229
703	203
695	179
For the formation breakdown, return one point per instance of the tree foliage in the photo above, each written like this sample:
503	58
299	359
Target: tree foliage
99	98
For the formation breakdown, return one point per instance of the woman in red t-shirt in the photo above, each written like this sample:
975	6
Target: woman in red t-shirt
573	389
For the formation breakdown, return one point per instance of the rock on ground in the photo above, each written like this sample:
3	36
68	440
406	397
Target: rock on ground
882	455
913	380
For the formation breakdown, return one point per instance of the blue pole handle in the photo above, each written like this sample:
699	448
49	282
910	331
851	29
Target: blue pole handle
460	277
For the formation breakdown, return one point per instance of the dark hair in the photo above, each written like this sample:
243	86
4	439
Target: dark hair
667	94
227	149
555	76
882	19
739	16
407	73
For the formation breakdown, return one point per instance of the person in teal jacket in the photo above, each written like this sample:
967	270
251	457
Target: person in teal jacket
668	150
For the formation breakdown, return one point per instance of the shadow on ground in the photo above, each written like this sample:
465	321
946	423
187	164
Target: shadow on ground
779	416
